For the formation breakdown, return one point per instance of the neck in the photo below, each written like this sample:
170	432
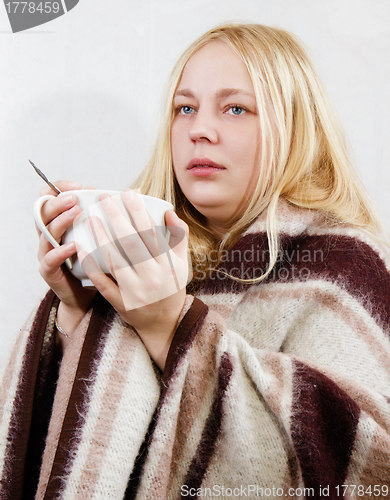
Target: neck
219	230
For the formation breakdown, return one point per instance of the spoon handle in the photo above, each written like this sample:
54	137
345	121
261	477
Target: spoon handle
43	176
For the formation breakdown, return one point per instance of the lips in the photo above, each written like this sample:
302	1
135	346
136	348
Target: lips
204	166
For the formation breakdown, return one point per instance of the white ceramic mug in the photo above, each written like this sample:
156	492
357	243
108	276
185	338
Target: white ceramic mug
88	201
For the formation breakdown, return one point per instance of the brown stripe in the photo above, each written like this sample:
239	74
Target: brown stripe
197	393
136	474
184	336
183	339
8	373
98	325
13	475
113	394
332	257
212	429
48	370
323	427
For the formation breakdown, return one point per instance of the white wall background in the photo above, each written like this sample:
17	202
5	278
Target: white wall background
80	96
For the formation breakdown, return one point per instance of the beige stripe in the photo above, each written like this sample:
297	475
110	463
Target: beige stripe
331	300
188	399
361	449
198	398
249	430
66	377
375	405
277	385
102	432
94	389
14	363
223	303
10	377
378	347
377	470
369	465
9	386
156	469
290	220
279	392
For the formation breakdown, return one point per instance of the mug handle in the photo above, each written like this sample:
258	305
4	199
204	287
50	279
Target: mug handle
38	219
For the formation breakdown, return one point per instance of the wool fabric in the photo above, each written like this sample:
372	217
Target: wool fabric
273	389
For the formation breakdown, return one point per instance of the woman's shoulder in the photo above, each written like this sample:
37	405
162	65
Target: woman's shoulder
311	248
289	219
317	251
305	229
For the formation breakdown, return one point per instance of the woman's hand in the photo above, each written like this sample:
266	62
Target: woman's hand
58	214
149	275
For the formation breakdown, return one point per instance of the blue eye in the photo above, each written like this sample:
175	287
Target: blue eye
236	110
186	110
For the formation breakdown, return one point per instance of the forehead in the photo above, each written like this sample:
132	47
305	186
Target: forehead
215	66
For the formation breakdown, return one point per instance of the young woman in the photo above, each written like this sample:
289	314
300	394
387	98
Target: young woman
270	376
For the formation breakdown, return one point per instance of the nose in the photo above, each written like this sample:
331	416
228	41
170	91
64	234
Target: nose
203	127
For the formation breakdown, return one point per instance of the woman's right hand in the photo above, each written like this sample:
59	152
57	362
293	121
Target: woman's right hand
58	214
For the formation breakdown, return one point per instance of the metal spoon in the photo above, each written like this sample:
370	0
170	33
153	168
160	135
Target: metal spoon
43	176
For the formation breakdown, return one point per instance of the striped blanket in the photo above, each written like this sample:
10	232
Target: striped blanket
278	389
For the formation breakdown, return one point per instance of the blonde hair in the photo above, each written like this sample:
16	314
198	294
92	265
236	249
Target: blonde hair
303	152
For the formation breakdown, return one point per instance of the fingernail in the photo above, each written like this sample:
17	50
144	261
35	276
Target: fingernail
91	224
69	246
105	200
87	262
68	199
81	255
128	195
75	185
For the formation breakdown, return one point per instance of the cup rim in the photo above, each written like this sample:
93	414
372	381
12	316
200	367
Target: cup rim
112	192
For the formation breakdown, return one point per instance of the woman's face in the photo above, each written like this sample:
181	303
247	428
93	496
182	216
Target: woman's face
216	135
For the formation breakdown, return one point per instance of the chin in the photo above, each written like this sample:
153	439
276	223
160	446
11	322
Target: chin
206	201
211	211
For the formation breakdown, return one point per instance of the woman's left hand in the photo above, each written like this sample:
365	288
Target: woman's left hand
150	276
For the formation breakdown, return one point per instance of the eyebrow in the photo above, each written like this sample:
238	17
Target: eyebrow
222	93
